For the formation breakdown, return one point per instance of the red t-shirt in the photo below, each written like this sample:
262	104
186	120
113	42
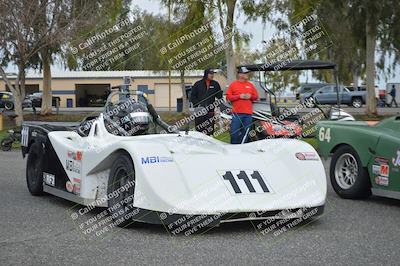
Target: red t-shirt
208	82
241	106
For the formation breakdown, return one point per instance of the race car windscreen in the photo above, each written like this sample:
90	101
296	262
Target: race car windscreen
126	113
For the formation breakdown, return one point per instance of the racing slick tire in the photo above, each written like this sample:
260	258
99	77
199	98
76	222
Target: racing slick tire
34	169
120	190
349	178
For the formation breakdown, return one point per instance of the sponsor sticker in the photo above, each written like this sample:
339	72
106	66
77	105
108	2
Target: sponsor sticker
77	185
73	166
382	180
74	161
69	186
77	156
376	169
156	159
49	179
381	167
307	156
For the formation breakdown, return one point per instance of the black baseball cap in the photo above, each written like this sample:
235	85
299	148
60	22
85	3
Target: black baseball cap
210	71
243	69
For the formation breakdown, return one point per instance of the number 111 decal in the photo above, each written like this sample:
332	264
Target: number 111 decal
239	182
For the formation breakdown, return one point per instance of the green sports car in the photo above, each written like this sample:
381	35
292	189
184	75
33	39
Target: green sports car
365	156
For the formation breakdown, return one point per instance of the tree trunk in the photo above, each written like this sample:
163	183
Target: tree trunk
227	30
370	62
230	63
229	52
355	77
185	99
18	109
16	91
46	107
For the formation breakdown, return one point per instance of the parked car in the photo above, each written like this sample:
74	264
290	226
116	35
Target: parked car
309	87
35	100
359	88
328	95
6	100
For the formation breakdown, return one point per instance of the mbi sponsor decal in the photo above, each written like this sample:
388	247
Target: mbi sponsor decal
156	159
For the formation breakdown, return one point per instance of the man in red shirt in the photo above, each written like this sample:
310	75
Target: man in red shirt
242	94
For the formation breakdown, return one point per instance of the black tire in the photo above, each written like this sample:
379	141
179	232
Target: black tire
360	187
6	144
120	205
356	102
34	169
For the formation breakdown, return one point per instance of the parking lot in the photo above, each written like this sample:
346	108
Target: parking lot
39	231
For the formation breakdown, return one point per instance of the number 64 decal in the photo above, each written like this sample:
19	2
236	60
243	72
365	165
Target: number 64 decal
254	182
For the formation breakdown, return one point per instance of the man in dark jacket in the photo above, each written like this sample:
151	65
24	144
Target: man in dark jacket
204	93
393	94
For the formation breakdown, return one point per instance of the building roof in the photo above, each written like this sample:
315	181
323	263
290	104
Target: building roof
110	74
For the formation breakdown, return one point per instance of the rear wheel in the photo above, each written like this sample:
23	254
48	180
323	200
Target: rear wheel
34	169
121	187
356	102
349	179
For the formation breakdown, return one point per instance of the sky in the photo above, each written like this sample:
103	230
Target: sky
255	29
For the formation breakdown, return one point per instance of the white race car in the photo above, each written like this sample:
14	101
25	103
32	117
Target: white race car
130	161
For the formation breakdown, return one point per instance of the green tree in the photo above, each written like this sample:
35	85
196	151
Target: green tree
357	27
189	19
381	21
61	20
19	44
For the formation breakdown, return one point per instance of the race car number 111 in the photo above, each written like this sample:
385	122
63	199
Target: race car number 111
242	182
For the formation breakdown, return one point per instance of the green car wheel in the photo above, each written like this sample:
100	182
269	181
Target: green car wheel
349	178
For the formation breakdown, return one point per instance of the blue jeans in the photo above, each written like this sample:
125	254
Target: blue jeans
240	123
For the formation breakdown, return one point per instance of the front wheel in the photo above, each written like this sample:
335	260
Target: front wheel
34	169
121	187
349	178
356	102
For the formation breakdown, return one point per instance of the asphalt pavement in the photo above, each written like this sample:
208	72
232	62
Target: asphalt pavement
40	231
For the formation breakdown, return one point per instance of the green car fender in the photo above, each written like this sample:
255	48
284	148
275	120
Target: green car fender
332	134
377	145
